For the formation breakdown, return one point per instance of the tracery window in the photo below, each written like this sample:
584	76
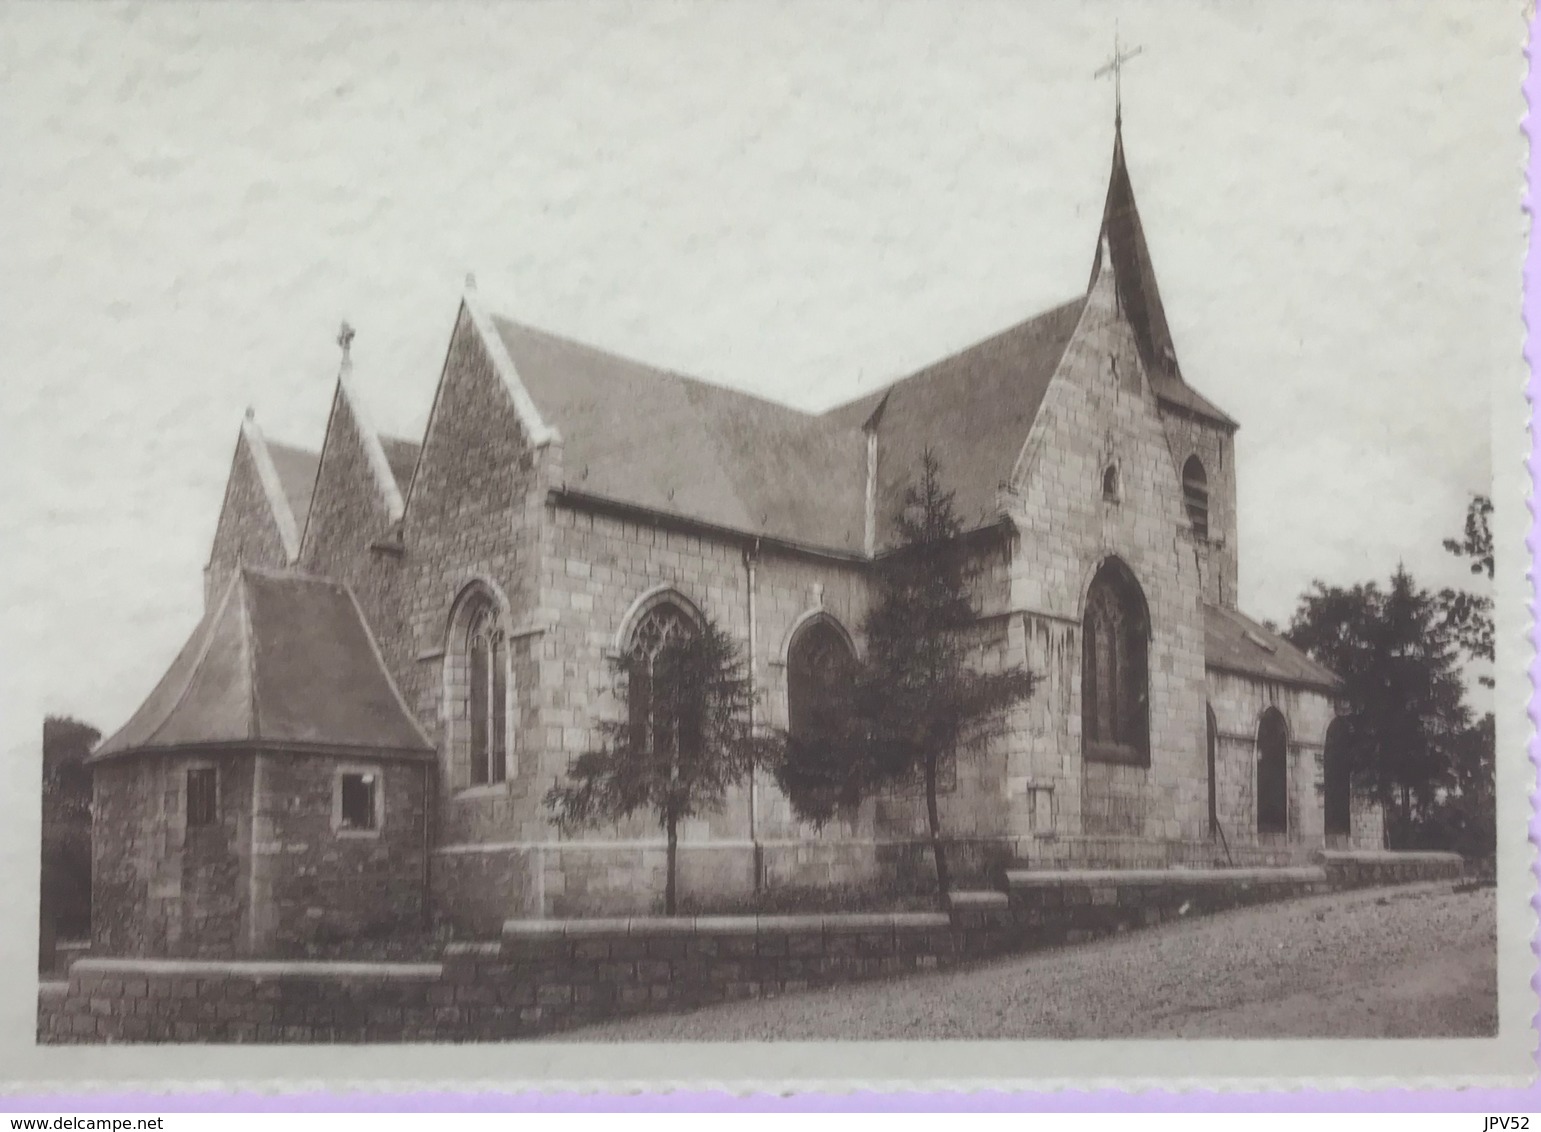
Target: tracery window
821	673
663	715
1115	687
1196	496
487	696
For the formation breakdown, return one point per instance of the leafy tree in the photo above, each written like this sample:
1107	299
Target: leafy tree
1397	657
677	759
1469	616
916	699
66	851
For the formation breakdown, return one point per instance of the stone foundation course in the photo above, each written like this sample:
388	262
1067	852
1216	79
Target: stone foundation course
548	975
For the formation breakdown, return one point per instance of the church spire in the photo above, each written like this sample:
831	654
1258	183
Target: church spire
1123	237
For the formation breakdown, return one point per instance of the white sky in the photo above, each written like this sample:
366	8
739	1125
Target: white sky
801	200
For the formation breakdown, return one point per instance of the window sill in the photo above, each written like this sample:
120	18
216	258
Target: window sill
483	790
1121	754
357	834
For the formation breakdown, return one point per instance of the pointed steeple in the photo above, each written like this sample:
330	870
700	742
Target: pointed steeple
1124	238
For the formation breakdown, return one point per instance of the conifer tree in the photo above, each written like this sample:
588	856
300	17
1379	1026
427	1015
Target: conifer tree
916	699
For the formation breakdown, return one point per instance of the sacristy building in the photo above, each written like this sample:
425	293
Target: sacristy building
406	642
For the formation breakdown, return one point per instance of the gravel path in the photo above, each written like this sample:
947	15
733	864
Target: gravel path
1400	962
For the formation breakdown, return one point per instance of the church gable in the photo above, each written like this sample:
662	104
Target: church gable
257	524
357	499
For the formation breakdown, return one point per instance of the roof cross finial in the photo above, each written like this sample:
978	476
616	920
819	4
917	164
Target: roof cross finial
345	340
1115	67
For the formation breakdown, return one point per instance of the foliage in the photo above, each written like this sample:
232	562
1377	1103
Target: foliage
65	891
1405	712
1469	616
916	698
680	761
66	779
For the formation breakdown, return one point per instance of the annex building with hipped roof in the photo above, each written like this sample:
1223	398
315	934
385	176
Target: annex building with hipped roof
453	609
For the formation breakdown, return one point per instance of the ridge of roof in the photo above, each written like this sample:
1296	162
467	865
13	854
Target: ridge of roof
875	397
731	459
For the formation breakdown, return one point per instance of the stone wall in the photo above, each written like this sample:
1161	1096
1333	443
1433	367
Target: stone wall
548	975
475	517
313	882
1215	447
159	887
247	530
1100	410
1238	702
350	528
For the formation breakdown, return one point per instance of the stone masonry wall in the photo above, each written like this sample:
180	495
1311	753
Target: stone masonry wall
1214	446
551	975
159	887
246	531
475	516
1098	410
1238	702
348	517
313	882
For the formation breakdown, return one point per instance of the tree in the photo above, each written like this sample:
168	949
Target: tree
1396	655
687	740
915	699
1469	616
66	852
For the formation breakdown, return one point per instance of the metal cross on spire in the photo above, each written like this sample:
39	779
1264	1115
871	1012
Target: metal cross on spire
345	340
1115	67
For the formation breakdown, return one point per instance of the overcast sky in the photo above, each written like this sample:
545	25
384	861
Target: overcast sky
800	200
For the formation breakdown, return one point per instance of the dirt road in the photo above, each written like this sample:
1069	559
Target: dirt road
1418	961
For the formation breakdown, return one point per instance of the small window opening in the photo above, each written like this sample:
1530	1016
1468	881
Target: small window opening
1196	496
202	796
358	801
1110	483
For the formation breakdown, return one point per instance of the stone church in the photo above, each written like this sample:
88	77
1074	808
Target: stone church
406	642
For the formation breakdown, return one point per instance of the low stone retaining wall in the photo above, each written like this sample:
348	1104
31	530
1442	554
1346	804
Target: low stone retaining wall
544	975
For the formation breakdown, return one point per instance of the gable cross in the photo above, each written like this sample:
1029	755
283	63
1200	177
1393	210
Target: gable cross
345	340
1115	67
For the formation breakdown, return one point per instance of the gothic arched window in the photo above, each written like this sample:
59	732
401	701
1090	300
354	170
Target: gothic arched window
821	672
1115	688
662	713
1196	495
486	695
1272	773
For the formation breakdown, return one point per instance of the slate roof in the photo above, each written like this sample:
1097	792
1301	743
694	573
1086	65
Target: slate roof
1139	295
1236	643
296	468
283	660
974	409
651	438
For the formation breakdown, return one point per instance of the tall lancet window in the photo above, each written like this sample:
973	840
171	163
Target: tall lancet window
1115	686
821	672
661	712
487	694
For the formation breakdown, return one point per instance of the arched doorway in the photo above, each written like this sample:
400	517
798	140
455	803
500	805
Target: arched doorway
1336	779
1272	773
